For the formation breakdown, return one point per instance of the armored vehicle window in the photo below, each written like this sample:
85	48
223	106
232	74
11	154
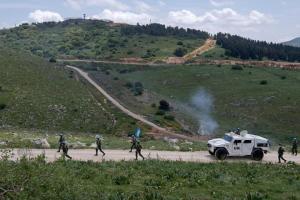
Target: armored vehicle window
247	141
228	138
237	141
262	144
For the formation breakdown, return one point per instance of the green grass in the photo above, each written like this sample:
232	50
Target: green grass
41	96
215	53
240	100
91	39
147	180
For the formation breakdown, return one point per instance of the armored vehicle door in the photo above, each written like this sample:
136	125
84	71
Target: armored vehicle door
236	147
247	147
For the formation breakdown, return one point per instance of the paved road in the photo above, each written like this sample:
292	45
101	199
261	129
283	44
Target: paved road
119	155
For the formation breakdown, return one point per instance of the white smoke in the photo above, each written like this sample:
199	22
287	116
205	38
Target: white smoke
202	102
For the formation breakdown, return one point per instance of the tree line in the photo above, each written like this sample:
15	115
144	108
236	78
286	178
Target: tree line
244	48
156	29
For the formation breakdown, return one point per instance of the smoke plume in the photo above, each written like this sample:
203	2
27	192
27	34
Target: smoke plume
202	102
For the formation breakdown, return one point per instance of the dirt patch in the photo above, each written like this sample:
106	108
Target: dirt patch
208	45
132	60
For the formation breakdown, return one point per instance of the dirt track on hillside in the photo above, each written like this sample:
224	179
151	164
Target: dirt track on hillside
208	45
157	130
119	155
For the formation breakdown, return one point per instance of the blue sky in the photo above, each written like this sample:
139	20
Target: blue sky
271	20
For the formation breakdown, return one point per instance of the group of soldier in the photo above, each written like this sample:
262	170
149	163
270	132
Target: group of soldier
63	145
138	147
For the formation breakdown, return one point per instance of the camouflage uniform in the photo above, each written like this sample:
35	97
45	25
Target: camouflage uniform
99	147
133	141
60	142
295	147
138	148
280	154
65	149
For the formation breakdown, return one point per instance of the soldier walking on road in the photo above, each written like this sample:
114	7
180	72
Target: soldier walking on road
280	154
133	142
138	152
65	149
99	146
60	141
295	147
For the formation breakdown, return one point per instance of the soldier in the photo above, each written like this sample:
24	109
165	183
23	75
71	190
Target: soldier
60	141
295	147
280	154
238	131
138	148
99	146
133	141
65	149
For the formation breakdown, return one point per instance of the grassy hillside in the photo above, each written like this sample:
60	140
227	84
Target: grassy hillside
37	95
215	53
150	180
92	39
263	100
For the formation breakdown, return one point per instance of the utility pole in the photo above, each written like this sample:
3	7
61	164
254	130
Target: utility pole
84	15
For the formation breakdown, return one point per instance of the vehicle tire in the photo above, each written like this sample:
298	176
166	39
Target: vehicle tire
257	154
211	153
221	154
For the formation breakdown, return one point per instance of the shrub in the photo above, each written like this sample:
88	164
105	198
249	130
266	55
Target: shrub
180	43
120	180
138	88
263	82
52	60
123	71
164	105
169	117
160	112
128	85
2	106
116	78
282	77
180	52
129	52
153	105
237	67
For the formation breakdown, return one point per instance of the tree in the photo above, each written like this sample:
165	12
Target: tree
243	48
180	52
138	88
179	43
52	60
2	106
164	105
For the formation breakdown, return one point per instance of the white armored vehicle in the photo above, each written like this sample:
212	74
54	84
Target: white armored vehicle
239	144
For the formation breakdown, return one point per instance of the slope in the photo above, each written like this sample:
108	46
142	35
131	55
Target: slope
37	95
93	39
262	100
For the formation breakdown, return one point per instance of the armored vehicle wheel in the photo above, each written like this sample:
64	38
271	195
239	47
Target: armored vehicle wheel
257	154
221	154
211	153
